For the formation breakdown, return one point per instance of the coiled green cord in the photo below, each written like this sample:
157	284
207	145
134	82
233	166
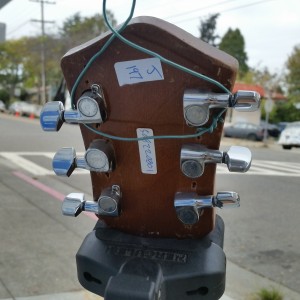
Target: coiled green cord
116	33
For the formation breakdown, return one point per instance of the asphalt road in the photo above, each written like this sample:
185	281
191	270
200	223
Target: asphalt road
38	244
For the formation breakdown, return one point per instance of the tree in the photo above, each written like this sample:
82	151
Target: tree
12	58
293	75
77	29
207	30
20	60
234	44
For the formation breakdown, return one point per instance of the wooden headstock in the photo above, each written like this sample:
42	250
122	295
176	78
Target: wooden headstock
152	103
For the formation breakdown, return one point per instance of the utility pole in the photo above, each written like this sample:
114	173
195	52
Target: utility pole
43	56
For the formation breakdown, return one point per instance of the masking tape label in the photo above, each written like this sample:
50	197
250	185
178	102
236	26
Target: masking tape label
147	151
136	71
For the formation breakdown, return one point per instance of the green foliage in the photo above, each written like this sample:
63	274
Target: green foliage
282	112
207	29
20	60
293	76
12	64
4	96
268	294
77	29
234	44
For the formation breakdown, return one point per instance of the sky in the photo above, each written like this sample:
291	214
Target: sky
271	28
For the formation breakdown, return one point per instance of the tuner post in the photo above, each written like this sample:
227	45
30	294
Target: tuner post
99	157
91	109
189	206
108	203
197	104
194	157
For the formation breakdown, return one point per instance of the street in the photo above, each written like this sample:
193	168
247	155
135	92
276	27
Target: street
38	244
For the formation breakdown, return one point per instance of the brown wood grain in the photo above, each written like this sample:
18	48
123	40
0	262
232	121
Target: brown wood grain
148	200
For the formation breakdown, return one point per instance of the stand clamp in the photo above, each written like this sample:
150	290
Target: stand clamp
120	266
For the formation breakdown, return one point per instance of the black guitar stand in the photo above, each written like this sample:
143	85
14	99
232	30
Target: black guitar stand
120	266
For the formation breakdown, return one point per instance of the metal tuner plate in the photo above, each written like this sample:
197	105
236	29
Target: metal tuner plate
194	157
100	157
189	206
197	104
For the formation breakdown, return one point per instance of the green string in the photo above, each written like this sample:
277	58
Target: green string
99	53
116	33
154	54
200	131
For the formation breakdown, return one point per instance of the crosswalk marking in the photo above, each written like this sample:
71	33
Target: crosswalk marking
268	168
26	164
258	167
20	159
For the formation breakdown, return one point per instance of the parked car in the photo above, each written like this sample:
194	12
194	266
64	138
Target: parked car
22	108
273	130
244	130
290	136
282	125
2	106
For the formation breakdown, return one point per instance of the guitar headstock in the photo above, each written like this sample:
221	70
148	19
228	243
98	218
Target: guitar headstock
154	187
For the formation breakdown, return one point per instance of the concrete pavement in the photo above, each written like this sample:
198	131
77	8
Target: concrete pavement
38	244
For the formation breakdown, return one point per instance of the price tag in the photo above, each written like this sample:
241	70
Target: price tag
136	71
147	151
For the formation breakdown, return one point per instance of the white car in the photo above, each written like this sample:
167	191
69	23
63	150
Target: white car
290	136
2	106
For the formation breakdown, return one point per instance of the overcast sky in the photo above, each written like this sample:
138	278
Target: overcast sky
271	28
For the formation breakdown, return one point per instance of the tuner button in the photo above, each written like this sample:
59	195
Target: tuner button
238	159
64	161
227	200
73	204
51	117
246	101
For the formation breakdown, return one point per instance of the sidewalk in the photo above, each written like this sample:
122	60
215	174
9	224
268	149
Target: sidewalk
38	246
241	285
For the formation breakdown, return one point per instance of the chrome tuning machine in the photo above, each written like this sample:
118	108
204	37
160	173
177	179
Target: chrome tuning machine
99	157
91	108
196	104
189	206
108	203
193	158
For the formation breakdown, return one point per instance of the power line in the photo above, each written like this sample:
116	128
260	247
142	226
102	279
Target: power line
230	9
199	9
18	27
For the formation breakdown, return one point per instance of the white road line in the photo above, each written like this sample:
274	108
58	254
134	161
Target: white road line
18	159
259	167
268	168
275	166
26	164
287	165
